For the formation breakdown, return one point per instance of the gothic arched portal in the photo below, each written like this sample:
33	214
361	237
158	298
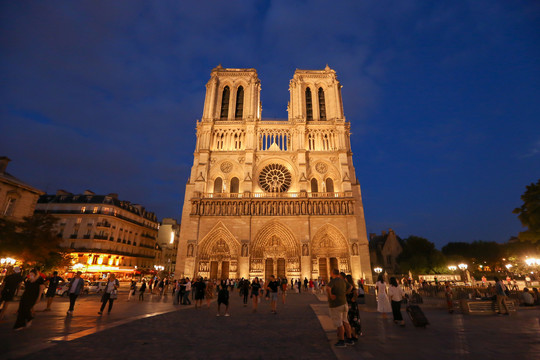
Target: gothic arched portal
275	251
329	250
218	254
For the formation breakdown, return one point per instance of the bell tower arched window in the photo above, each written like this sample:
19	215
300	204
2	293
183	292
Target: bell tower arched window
322	106
235	185
225	103
218	186
314	186
329	185
239	103
309	105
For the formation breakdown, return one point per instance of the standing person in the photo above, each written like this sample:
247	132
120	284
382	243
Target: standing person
395	293
383	305
10	286
223	298
76	285
306	282
187	290
501	296
244	286
337	289
132	289
200	287
161	287
110	294
209	292
311	286
28	299
54	280
255	288
353	315
449	295
283	290
142	290
273	287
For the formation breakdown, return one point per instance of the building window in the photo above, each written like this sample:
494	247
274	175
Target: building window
239	103
83	209
96	209
10	206
314	186
218	186
225	103
235	185
309	105
322	107
329	185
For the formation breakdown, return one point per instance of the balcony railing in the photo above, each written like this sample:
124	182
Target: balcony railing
288	195
101	237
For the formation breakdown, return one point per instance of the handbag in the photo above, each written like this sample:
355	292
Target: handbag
114	294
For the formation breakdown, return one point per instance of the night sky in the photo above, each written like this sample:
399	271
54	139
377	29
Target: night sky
443	98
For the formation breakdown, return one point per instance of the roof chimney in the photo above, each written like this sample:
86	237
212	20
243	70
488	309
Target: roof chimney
4	160
88	192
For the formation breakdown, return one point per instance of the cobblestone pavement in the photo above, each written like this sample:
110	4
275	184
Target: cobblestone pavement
301	329
449	336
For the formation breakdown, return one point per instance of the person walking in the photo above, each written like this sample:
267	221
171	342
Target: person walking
244	289
132	289
396	294
353	315
209	292
273	287
500	290
449	295
10	286
142	290
383	305
223	298
199	287
336	290
76	285
54	280
28	299
187	291
110	294
255	290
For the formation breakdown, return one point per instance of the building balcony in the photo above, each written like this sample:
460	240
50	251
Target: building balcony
284	195
101	237
103	224
73	236
87	236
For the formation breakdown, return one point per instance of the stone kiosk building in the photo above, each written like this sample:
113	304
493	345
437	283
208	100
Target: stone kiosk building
272	197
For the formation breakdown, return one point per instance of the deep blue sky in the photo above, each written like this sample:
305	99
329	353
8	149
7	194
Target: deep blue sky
443	98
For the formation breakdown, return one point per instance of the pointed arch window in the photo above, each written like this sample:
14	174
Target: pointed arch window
322	106
309	105
225	103
314	186
218	186
239	103
235	185
329	185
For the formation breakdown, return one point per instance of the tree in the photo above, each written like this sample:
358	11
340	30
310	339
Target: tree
420	255
34	240
529	213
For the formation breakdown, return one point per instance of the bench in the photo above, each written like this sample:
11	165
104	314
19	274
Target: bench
483	307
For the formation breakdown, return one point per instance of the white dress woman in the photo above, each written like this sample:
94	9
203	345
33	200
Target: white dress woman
383	304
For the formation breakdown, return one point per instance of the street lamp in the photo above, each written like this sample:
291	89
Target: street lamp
508	266
378	270
452	267
463	266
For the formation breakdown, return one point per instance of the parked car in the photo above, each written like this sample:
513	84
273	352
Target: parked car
96	287
62	288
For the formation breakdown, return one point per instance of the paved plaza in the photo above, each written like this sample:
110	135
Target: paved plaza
301	329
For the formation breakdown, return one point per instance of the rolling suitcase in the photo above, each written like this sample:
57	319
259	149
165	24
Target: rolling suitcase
417	316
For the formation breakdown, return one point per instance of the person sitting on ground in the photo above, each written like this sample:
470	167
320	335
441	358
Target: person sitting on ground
528	299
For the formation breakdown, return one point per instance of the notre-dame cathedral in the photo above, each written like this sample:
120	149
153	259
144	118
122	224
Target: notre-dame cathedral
272	197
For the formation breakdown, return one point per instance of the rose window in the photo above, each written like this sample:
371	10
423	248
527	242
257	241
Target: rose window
275	178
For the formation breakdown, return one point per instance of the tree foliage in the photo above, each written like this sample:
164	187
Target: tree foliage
33	240
420	256
529	213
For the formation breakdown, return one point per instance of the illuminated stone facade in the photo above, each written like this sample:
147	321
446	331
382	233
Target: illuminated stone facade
272	197
104	233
